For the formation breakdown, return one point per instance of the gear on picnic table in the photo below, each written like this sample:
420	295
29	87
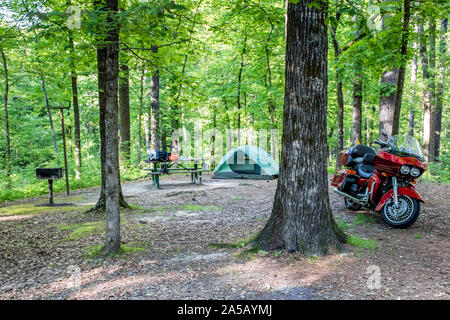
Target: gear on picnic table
162	156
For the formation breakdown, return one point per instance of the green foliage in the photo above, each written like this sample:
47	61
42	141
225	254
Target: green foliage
362	219
361	242
239	244
31	208
439	171
200	57
82	230
93	252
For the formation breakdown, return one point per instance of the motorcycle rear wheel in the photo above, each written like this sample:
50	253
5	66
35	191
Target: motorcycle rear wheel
351	205
404	216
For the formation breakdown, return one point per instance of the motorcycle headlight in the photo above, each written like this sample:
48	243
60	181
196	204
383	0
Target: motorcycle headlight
415	172
404	169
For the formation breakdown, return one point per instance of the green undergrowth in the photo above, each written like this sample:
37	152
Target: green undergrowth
81	230
245	254
32	208
362	242
362	219
93	252
356	241
23	184
238	244
438	171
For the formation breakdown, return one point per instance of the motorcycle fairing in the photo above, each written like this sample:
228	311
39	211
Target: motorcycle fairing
401	190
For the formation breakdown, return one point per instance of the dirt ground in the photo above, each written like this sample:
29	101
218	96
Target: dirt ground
49	253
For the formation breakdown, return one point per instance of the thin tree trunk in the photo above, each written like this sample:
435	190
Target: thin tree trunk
154	114
112	182
147	125
8	141
427	95
357	104
432	86
413	90
141	106
49	114
124	111
401	71
301	218
76	110
213	139
272	106
357	98
339	91
440	89
175	110
239	105
106	77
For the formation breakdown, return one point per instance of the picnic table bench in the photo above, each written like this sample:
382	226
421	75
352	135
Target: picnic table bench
168	167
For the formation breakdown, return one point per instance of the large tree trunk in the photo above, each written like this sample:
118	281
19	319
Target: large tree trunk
154	114
124	111
76	109
427	94
387	100
401	72
388	95
440	89
5	98
301	218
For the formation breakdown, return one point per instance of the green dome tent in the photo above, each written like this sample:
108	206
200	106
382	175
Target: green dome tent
246	162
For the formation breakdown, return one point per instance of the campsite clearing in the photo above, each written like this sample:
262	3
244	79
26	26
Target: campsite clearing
169	252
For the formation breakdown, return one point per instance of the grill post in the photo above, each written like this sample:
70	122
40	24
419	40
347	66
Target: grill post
50	191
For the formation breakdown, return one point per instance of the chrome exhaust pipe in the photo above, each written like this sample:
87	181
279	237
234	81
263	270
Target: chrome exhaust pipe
346	195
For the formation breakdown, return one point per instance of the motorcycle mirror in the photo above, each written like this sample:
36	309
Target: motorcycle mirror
383	135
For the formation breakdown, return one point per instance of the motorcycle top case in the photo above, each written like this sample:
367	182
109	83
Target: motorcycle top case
343	156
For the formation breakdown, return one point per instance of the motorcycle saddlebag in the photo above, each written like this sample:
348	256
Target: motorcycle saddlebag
347	183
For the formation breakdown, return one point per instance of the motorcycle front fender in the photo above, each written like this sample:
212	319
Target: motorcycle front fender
402	190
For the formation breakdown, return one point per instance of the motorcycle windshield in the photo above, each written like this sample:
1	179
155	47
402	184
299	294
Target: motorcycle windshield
405	145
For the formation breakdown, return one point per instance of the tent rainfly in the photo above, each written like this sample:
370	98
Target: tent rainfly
247	162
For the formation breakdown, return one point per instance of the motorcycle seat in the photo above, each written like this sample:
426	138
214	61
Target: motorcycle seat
361	150
369	158
360	154
365	170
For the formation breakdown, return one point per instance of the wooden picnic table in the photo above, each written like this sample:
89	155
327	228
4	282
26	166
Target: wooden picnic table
168	167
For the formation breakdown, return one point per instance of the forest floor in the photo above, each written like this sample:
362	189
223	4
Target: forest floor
52	252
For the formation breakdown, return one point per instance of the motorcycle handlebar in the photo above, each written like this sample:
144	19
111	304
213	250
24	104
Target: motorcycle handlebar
382	144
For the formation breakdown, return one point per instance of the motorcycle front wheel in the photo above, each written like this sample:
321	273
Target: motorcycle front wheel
403	215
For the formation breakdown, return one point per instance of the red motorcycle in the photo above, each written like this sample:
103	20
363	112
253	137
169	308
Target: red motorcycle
383	181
